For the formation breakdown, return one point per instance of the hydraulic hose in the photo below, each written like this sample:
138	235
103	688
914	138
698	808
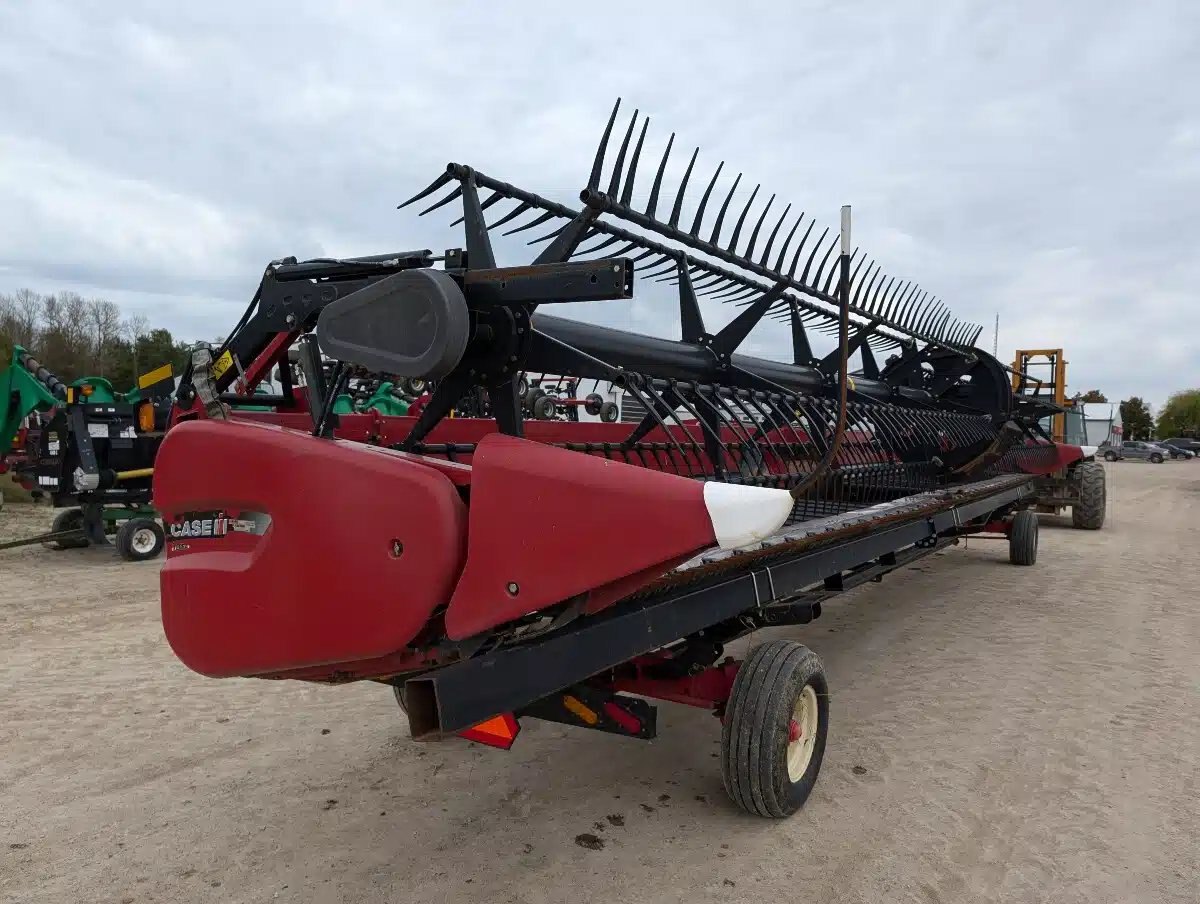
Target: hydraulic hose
839	430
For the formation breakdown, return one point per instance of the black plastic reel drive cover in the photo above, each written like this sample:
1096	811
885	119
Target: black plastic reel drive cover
410	324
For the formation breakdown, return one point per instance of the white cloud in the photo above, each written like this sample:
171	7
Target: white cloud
109	223
1037	160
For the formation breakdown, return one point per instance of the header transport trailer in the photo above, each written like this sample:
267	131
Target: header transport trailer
440	554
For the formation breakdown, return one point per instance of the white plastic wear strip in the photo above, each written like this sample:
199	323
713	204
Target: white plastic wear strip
744	516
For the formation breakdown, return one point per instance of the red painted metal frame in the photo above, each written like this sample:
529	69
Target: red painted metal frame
565	505
707	689
1063	455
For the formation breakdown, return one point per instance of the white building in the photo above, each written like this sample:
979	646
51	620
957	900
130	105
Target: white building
1101	423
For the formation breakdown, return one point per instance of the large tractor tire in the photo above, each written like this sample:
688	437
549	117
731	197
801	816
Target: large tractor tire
1088	512
775	727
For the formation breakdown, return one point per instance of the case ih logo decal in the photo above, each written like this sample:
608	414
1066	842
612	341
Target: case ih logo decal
199	525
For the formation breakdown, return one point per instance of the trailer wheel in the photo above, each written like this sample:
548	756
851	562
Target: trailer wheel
1088	512
67	519
139	539
1023	538
1110	455
774	731
609	412
544	408
531	396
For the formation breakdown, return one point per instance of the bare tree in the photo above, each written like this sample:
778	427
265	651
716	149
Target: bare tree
134	328
27	308
104	322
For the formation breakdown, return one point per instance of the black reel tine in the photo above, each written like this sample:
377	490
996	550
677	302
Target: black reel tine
598	163
456	193
511	215
695	230
536	221
492	199
816	247
737	230
788	241
716	233
433	186
627	192
652	204
757	226
771	238
615	182
678	206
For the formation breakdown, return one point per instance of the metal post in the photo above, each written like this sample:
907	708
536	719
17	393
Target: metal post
845	261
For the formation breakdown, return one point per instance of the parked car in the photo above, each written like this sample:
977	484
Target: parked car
1183	442
1137	451
1177	451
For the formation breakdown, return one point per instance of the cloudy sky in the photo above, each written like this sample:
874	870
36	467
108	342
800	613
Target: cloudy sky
1036	159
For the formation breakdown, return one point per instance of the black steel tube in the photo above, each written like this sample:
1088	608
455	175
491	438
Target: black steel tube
56	386
354	267
689	361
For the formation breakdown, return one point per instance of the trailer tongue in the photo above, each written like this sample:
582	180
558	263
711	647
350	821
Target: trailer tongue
491	568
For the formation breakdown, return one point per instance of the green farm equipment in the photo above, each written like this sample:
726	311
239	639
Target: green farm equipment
90	449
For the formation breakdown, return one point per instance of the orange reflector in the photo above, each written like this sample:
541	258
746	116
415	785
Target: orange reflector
145	417
87	389
498	731
577	706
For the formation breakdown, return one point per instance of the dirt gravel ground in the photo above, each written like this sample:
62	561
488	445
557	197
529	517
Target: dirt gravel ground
999	734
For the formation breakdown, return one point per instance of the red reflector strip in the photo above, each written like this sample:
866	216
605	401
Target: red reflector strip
628	721
498	731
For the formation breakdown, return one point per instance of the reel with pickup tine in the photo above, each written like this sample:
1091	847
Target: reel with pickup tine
934	408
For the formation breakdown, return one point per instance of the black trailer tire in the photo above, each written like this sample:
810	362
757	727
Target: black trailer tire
531	396
139	539
67	519
774	731
609	412
1110	455
1088	511
544	408
593	403
1023	538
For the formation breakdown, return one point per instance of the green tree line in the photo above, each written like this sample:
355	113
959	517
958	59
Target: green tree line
1181	415
73	337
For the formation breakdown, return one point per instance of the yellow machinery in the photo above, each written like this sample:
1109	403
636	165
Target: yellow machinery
1039	377
1029	368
